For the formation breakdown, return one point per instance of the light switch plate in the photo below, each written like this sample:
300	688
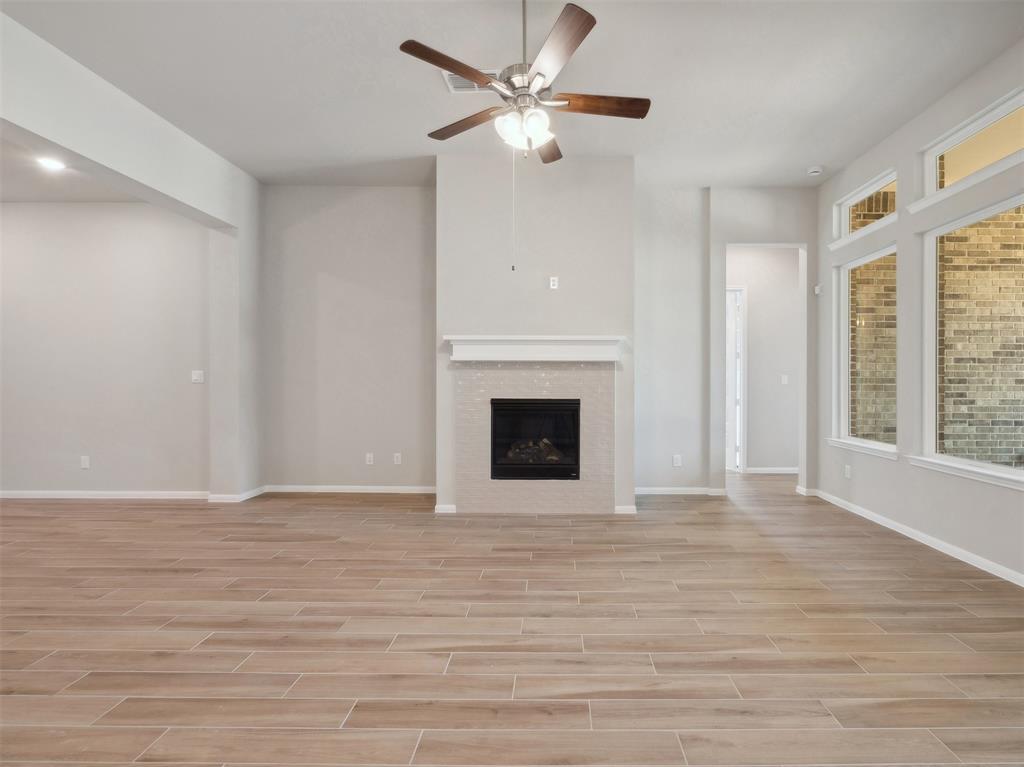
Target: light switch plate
198	376
785	379
553	282
398	459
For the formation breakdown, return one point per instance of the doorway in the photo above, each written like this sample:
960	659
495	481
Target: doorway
763	359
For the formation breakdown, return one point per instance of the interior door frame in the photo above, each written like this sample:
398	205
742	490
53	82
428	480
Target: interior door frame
742	422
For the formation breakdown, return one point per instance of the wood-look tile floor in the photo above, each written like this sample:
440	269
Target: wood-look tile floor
764	628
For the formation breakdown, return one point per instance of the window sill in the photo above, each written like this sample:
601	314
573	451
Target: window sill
1003	477
974	179
879	449
881	223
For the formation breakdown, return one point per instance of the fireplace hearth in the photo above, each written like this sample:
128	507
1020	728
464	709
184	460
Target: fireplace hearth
535	439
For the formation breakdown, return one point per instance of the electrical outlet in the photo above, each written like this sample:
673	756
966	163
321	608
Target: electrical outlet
398	459
84	462
785	380
847	471
369	459
198	376
553	282
677	461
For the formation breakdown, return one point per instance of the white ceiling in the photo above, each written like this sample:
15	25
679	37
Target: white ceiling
23	180
745	93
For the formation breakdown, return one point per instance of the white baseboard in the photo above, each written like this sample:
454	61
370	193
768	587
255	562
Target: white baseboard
202	495
427	489
128	495
625	509
771	470
235	497
679	490
444	508
804	491
996	569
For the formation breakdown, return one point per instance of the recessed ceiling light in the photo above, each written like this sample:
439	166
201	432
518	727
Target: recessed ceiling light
51	163
815	170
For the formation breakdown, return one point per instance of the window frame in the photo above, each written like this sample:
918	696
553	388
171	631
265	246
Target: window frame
841	436
929	457
978	122
841	210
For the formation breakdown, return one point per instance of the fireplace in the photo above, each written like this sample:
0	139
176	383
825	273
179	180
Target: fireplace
535	439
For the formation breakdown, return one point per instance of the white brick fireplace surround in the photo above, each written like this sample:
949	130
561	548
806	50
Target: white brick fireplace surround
544	367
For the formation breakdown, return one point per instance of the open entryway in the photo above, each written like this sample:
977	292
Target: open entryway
763	336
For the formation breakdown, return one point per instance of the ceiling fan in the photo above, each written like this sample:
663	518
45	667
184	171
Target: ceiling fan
524	122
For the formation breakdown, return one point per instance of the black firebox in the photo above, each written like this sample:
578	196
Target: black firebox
535	439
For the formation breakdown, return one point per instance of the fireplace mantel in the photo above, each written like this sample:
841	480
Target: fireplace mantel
534	348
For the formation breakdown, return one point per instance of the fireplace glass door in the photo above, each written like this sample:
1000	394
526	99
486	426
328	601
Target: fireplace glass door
535	439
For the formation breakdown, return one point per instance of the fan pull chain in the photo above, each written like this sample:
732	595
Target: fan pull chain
514	205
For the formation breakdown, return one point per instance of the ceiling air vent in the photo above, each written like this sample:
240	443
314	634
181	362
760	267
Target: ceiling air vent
457	84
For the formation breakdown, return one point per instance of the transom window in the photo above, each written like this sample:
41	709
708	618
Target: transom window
988	146
866	206
872	208
988	143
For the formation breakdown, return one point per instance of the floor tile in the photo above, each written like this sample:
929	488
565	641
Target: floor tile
283	746
706	715
623	686
548	748
814	747
228	712
985	744
470	714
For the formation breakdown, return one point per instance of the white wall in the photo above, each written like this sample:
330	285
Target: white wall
983	521
771	279
671	336
574	220
103	320
53	103
348	330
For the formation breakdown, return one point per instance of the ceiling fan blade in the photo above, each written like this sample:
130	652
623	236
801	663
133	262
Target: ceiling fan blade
549	152
609	106
565	37
466	123
456	67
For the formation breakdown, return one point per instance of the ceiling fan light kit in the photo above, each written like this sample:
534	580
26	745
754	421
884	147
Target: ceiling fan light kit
524	122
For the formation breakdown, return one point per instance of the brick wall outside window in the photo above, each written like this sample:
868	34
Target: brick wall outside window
873	350
980	323
873	207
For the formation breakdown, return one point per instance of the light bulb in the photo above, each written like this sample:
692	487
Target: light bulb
509	126
536	123
51	163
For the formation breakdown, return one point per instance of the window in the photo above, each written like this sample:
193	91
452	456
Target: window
865	207
872	344
986	144
986	147
979	340
866	369
870	209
